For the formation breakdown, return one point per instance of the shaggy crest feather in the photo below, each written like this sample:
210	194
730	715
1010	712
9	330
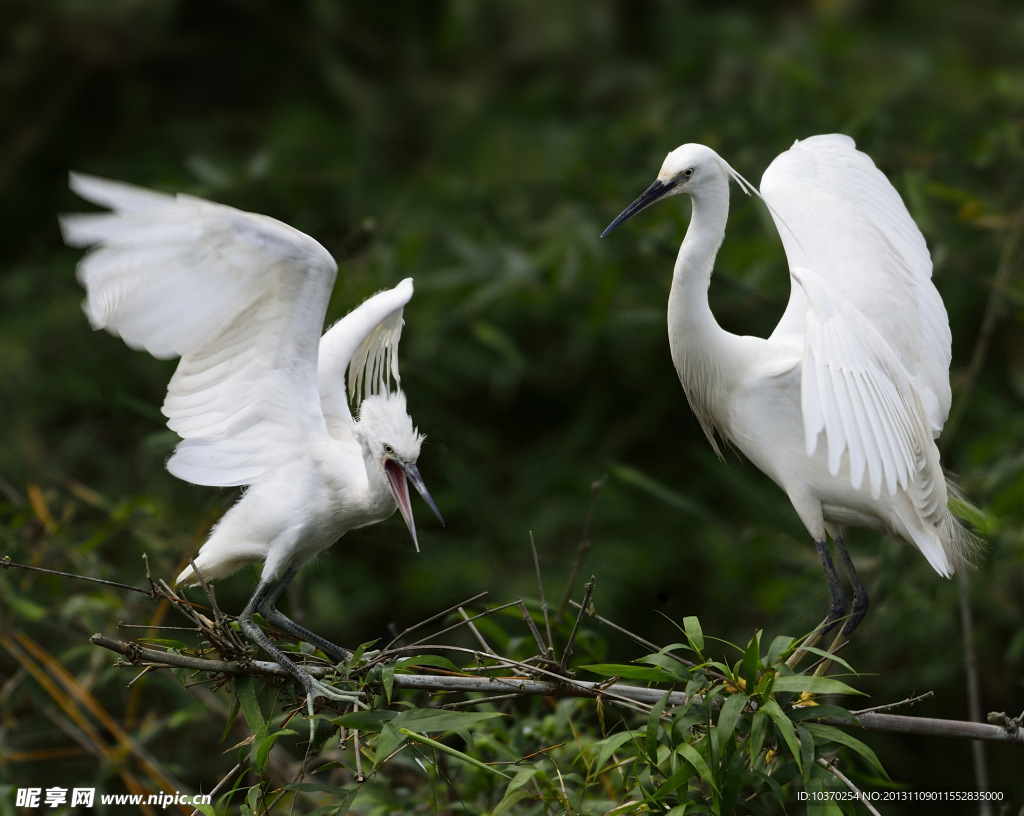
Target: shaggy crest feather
383	418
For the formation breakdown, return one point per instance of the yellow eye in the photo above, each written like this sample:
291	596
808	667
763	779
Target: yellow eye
688	172
389	449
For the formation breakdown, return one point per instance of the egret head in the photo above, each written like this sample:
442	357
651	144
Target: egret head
386	434
687	169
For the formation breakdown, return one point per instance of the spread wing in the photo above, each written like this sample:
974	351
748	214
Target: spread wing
838	215
365	342
854	387
240	297
875	375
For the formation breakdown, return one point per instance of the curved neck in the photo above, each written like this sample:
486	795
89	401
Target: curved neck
699	345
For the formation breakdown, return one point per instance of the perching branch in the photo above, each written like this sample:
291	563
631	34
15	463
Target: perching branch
522	686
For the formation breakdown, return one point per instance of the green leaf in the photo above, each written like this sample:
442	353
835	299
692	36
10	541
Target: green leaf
676	781
628	672
404	665
511	799
389	680
729	716
827	732
425	720
262	747
690	754
340	809
779	647
751	657
653	725
673	667
806	752
389	741
312	787
440	746
732	782
757	731
832	657
782	722
815	685
694	634
232	714
609	746
365	720
250	705
523	776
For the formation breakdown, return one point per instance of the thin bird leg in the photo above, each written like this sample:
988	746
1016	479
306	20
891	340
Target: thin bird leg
314	688
860	603
268	609
837	609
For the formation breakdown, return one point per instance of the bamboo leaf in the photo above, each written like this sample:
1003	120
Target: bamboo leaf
440	746
815	685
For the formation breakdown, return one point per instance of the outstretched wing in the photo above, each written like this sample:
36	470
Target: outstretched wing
855	388
365	342
240	297
838	215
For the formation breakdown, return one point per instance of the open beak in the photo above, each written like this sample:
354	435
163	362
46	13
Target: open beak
655	192
399	476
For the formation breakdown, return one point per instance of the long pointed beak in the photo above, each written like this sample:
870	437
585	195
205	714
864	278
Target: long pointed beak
655	192
399	475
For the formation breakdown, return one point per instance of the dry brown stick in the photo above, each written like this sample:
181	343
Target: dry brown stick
220	785
543	600
563	664
584	548
7	563
888	706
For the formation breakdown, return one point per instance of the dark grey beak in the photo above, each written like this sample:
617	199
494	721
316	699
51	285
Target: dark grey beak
655	192
412	473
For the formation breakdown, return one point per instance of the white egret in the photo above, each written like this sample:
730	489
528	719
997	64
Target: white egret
861	353
259	397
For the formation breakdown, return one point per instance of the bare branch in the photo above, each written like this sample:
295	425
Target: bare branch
543	600
563	664
7	563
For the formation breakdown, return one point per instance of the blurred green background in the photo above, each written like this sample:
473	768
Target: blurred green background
481	147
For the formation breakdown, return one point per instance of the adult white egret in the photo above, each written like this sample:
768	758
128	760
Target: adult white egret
861	353
259	397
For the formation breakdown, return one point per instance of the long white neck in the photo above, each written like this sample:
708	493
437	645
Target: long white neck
700	347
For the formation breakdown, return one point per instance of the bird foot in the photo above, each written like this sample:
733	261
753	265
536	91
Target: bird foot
316	688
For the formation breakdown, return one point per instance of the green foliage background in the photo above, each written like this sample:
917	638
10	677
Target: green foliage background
481	148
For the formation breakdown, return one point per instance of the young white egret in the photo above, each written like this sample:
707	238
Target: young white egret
259	397
860	355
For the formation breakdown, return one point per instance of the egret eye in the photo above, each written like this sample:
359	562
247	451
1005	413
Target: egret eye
688	172
388	449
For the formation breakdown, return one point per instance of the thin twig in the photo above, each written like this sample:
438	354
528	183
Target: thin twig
533	628
888	706
543	600
842	778
563	664
469	622
433	618
484	614
220	785
7	563
584	548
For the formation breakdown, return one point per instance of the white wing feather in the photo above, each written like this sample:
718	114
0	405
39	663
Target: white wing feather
855	388
365	342
838	215
241	298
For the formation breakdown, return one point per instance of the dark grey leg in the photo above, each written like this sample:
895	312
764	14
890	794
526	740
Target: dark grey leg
268	609
838	607
860	593
313	688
